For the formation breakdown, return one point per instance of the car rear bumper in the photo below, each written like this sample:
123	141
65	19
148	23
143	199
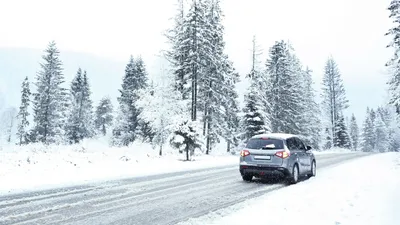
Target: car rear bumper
263	170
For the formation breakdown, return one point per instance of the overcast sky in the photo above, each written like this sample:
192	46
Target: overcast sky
352	31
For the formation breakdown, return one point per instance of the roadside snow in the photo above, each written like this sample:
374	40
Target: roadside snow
332	151
361	192
34	167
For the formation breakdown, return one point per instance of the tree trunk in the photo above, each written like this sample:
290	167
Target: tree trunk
208	135
160	150
104	130
205	120
10	129
228	148
187	153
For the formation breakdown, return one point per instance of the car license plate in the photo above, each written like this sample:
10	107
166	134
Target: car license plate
267	157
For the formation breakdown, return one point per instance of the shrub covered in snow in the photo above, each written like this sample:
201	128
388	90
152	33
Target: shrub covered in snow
187	138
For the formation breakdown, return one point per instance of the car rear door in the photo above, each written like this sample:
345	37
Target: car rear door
263	150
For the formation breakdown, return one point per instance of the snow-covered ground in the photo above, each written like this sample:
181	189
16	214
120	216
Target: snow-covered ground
35	167
360	192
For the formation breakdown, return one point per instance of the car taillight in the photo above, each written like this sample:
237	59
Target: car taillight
244	153
283	154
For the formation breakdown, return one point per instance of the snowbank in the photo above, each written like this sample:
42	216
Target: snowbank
37	167
364	191
333	151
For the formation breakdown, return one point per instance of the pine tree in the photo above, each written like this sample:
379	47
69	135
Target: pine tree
333	95
328	139
203	72
284	92
343	139
381	135
73	128
144	129
80	122
186	137
179	51
104	117
393	63
388	115
368	134
50	100
199	44
23	113
87	108
230	113
256	118
135	79
311	115
217	96
354	132
254	115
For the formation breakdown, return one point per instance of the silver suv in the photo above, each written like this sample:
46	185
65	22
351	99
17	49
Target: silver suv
276	153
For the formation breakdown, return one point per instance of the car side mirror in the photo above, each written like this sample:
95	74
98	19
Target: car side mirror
308	148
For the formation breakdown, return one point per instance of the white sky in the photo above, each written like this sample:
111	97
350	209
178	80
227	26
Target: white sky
351	30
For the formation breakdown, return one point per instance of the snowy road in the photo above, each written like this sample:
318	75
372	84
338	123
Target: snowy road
160	199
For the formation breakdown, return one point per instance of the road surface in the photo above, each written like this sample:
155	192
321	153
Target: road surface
160	199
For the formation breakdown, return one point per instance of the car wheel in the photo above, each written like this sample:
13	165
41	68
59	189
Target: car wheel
313	171
247	177
294	177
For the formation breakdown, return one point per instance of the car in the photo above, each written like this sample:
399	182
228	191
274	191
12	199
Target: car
277	154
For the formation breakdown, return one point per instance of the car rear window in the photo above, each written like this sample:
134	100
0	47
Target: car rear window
258	143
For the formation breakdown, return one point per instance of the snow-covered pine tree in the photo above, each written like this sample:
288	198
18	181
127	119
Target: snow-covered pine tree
144	129
23	121
217	97
333	95
257	109
394	64
368	134
354	132
199	44
389	118
135	79
327	139
284	94
372	115
50	100
104	116
381	135
311	114
255	116
186	137
343	139
230	105
80	121
74	122
87	108
177	37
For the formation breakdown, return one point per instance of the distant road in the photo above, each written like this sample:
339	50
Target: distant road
160	199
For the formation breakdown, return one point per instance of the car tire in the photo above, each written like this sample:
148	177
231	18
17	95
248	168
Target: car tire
294	177
247	177
313	171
